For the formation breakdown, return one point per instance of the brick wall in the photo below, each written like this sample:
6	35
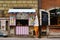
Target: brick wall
7	4
47	4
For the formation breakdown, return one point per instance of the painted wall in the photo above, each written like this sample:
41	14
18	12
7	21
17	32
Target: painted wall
7	4
47	4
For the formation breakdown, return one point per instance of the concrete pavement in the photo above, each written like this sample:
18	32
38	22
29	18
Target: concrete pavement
29	38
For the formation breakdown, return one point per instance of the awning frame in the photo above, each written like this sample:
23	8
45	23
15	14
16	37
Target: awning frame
21	10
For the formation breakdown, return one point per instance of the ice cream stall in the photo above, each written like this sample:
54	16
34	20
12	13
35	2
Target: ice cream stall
22	21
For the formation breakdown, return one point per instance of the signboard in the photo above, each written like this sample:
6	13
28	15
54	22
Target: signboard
12	20
22	16
3	24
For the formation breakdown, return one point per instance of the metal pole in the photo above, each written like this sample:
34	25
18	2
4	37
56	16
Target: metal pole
39	7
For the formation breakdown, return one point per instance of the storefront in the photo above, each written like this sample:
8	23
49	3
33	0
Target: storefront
22	21
50	21
4	26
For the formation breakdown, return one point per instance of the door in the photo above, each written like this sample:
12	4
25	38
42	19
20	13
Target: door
43	17
44	21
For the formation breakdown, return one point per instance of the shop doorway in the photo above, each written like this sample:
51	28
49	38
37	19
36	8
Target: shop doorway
44	21
4	27
44	17
4	24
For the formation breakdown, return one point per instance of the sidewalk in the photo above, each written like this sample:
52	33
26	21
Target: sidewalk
29	38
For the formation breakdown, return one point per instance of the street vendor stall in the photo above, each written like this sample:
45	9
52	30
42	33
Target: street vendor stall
22	21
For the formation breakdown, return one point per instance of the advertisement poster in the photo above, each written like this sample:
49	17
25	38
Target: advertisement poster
12	20
3	24
31	20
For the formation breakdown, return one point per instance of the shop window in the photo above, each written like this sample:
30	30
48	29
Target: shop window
53	17
22	22
58	18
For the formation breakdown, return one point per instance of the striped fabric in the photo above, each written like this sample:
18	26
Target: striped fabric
22	30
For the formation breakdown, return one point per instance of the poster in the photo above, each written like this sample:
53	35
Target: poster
12	20
3	24
31	20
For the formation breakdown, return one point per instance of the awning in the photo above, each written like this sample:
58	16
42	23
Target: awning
53	11
21	10
58	11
